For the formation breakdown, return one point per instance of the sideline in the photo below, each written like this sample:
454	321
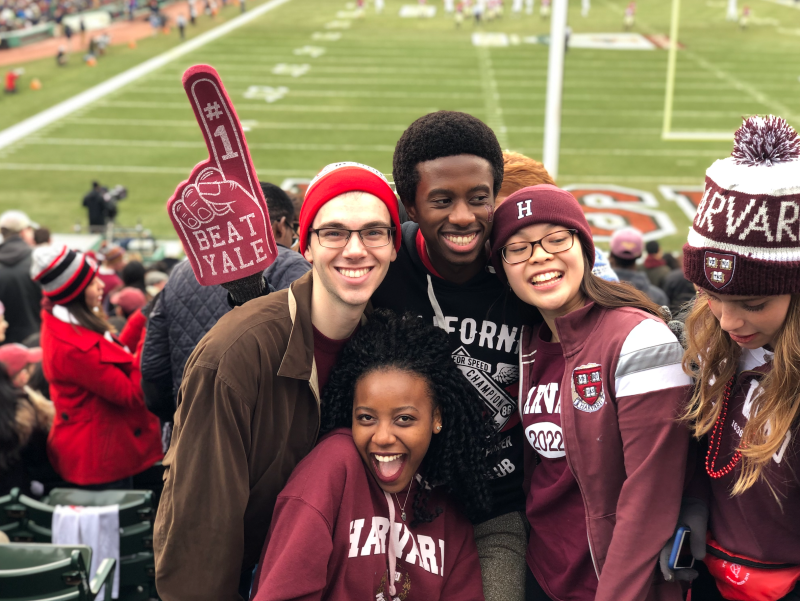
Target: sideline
21	130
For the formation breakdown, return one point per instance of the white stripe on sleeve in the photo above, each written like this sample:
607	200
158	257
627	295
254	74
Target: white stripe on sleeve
650	360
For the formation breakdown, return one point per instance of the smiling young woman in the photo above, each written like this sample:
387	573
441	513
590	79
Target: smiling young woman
376	510
600	387
743	348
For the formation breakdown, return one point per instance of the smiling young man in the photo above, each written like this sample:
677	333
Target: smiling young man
249	404
448	169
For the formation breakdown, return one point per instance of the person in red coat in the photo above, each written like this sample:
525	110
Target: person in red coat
102	433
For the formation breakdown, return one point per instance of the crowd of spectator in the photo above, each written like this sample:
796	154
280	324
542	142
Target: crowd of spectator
20	14
92	348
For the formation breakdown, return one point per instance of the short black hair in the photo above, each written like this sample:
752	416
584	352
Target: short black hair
623	263
652	247
279	204
443	134
457	456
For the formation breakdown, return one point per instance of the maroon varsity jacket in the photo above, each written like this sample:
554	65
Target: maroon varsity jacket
620	396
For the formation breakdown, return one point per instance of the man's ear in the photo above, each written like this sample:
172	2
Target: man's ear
411	211
278	227
307	254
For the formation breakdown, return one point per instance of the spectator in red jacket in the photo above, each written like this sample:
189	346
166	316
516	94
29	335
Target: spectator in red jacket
102	434
387	498
128	304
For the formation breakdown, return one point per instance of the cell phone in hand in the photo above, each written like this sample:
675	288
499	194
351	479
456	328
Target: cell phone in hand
681	556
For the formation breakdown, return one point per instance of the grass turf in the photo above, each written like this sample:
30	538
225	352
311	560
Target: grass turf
356	99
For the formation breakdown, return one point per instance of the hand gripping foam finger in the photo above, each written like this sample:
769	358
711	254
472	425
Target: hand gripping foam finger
219	212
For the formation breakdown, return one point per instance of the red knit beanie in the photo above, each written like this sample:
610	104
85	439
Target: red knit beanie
538	204
745	238
338	178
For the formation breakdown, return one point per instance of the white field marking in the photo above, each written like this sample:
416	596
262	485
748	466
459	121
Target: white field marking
708	136
631	152
371	94
326	36
371	82
491	97
631	131
615	179
135	169
35	123
252	124
312	51
187	144
337	25
636	113
305	108
329	93
267	93
249	68
368	59
292	69
776	107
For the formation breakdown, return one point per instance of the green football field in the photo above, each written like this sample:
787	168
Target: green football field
308	99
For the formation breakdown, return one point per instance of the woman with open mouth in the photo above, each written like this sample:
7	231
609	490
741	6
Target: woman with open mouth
600	387
379	509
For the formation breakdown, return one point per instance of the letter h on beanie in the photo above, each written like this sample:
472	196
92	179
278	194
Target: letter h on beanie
544	203
745	238
338	178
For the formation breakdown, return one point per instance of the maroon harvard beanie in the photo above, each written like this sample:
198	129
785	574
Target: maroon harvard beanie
745	239
538	204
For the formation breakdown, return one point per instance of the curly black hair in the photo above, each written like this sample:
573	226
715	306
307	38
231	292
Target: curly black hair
457	456
442	134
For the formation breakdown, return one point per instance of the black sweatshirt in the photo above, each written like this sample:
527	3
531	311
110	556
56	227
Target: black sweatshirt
483	319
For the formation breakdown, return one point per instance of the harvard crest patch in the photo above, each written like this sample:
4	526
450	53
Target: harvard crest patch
719	268
587	388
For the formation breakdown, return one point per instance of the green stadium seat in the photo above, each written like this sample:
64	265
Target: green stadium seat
51	573
33	520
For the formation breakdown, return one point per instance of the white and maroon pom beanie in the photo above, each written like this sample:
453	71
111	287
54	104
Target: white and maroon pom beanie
745	239
62	273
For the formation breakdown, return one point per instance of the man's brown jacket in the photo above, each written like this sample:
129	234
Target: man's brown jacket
248	412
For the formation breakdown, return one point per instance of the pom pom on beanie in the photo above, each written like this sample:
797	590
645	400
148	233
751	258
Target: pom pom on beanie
338	178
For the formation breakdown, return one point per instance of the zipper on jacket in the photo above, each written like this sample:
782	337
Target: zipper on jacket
571	469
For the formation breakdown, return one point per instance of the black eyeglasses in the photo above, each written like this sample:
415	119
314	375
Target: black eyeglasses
552	243
371	237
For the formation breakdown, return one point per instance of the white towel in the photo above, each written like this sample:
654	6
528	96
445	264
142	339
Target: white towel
97	527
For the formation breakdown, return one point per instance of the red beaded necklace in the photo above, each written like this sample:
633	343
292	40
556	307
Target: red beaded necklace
715	440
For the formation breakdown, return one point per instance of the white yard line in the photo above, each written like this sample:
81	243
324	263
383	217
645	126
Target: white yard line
100	142
252	124
300	108
189	144
633	152
367	82
786	3
328	93
33	124
633	179
399	127
491	97
136	169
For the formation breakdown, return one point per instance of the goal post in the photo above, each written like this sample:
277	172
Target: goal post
667	132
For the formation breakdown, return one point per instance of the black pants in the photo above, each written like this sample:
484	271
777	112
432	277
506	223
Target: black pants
533	590
705	589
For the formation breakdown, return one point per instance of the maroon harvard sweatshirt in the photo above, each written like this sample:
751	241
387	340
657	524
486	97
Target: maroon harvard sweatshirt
328	538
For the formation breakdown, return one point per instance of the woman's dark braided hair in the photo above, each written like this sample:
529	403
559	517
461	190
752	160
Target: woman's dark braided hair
457	456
